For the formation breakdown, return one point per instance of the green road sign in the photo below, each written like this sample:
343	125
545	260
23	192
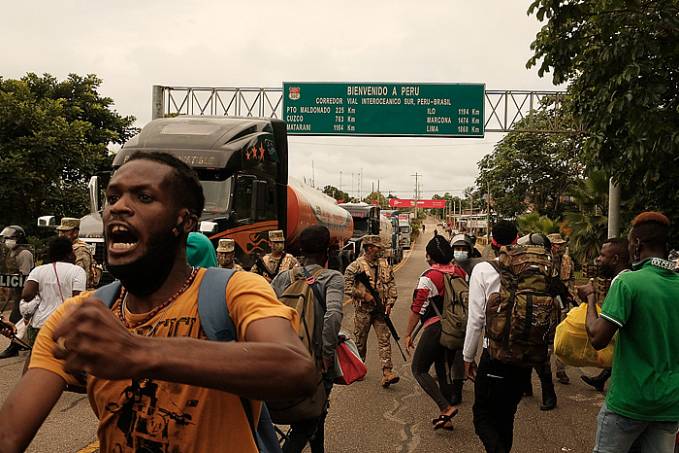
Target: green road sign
384	109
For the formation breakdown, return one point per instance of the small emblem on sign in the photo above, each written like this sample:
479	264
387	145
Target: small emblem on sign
294	93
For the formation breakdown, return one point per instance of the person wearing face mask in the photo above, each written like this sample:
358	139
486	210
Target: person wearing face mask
381	277
276	261
642	403
18	260
226	252
463	251
613	260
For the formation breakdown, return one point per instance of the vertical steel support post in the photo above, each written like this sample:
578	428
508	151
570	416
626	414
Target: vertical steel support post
157	103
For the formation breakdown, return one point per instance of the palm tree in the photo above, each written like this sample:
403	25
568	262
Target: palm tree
588	223
535	223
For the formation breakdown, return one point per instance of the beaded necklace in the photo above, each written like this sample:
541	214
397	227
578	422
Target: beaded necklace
123	298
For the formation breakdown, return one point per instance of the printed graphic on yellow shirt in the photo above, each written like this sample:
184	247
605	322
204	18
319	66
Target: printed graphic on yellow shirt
142	420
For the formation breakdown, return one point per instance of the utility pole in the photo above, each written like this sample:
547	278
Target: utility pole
416	175
488	215
360	185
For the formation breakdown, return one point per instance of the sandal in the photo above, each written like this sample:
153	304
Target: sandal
441	421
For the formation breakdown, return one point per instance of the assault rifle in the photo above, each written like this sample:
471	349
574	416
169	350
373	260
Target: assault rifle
264	270
363	279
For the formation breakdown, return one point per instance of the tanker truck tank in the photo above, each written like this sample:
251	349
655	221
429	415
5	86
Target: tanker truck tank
308	206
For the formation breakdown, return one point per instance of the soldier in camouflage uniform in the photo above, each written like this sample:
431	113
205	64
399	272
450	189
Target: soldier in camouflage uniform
276	261
381	278
70	228
18	259
226	251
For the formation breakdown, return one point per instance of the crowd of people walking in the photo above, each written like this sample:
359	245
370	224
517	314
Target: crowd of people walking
276	331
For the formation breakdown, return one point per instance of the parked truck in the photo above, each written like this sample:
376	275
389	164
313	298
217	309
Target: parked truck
405	230
369	220
242	164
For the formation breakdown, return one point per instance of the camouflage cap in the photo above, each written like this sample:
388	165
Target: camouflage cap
556	238
226	246
372	239
68	223
276	236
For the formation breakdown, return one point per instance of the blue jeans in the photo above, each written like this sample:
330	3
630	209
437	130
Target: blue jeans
616	434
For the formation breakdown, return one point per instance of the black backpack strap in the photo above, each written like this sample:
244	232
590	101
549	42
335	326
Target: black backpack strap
108	294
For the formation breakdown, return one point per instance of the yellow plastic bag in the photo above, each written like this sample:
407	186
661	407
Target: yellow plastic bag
572	346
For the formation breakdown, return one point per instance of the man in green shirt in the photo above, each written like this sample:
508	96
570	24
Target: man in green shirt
642	405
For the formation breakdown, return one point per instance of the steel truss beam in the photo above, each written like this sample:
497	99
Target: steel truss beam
503	108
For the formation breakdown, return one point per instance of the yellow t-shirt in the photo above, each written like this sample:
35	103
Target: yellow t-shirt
151	415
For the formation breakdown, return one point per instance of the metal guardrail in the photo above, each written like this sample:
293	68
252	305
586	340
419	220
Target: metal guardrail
503	108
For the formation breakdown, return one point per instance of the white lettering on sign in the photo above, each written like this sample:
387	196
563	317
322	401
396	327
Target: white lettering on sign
299	127
358	90
439	120
381	101
329	101
314	109
410	91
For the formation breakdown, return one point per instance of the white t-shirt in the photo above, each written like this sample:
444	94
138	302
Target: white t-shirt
71	278
483	282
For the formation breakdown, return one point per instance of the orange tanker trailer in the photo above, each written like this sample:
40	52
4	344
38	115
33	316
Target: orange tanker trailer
308	206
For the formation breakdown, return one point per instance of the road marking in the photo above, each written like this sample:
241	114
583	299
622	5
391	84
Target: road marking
405	259
91	448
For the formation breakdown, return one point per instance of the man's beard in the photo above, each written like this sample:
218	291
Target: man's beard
606	271
145	275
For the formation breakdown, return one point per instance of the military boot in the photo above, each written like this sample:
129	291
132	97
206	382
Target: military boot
389	377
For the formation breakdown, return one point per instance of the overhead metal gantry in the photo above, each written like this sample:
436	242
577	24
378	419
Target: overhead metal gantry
503	108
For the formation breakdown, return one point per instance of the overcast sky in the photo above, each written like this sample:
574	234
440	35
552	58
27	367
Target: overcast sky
133	45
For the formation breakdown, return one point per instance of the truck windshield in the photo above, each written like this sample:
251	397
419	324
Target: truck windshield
217	195
405	229
360	226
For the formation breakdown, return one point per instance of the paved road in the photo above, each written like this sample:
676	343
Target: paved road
365	418
69	427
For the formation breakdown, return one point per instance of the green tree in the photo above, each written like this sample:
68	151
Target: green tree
535	223
334	192
377	197
531	169
587	224
621	62
451	200
53	137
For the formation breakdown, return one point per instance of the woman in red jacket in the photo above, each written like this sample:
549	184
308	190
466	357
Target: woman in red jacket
450	372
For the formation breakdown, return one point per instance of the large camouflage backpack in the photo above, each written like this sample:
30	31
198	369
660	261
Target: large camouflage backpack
303	294
522	316
454	313
95	272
